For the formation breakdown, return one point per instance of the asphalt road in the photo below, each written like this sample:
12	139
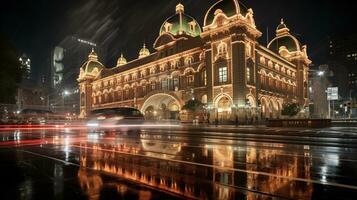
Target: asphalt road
178	163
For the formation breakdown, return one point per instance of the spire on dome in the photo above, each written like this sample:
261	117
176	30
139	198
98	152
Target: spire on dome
121	61
180	8
282	29
93	56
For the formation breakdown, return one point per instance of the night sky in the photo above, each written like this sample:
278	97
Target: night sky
35	27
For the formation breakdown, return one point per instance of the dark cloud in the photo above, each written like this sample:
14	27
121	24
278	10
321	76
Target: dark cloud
37	26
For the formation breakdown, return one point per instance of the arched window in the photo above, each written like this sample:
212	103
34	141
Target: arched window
176	83
153	86
164	84
94	99
222	48
204	77
120	95
190	80
126	94
189	60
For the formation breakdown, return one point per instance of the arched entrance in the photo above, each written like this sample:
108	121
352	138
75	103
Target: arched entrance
275	108
266	111
161	106
224	107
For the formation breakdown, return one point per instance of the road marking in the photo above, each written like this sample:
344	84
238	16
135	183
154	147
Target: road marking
49	157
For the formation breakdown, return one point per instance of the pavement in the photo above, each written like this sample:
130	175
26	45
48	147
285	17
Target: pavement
188	162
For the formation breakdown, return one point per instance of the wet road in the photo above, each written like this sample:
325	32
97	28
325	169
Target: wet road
179	163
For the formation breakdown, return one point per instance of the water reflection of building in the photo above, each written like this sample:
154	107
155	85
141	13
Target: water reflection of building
158	170
221	64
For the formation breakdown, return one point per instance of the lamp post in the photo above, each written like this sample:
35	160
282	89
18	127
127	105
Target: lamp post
65	94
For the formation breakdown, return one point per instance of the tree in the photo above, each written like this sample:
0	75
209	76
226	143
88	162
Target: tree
10	72
290	110
193	106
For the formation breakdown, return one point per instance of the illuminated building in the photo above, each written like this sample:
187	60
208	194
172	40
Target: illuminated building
25	62
221	64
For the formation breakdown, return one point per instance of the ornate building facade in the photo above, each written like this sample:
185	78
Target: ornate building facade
221	64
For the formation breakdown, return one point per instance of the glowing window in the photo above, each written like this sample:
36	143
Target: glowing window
223	74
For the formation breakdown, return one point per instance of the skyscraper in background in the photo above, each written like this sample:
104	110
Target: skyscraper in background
25	66
66	57
343	62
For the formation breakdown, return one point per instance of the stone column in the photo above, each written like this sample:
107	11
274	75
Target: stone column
239	74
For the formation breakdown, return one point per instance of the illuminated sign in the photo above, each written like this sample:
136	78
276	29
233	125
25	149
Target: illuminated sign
332	93
86	42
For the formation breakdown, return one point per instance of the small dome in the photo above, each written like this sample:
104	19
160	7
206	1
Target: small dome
228	7
121	61
144	52
92	63
288	41
181	23
284	39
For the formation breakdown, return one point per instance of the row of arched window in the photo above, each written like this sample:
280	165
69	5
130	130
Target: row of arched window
175	83
144	73
277	67
269	83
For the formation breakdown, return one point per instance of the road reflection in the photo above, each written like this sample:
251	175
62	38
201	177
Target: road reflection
180	164
194	170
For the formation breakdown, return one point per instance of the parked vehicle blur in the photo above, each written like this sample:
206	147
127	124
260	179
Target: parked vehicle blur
115	116
37	116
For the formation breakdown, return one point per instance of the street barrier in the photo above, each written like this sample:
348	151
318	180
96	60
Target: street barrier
308	123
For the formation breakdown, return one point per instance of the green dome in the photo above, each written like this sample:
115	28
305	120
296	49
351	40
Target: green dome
181	23
92	63
289	41
284	38
228	7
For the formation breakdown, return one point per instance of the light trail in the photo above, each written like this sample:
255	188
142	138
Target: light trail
82	127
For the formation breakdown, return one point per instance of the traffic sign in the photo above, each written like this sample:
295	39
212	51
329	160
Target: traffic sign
332	93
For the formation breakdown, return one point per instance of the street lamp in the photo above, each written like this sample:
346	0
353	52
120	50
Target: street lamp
321	73
66	93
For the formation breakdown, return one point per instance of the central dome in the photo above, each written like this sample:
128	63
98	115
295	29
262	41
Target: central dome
181	23
228	7
284	39
92	63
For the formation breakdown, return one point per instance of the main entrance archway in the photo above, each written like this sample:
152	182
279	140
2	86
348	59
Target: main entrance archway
161	106
223	104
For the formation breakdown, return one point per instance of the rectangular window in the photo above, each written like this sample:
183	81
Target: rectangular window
176	83
248	74
190	80
164	84
223	74
205	77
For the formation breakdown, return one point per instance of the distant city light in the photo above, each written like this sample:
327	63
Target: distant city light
320	73
66	93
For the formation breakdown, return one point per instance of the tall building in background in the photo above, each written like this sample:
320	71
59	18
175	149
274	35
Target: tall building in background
66	57
319	81
343	62
25	66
